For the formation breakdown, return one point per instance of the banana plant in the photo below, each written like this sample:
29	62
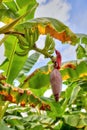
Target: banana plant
27	96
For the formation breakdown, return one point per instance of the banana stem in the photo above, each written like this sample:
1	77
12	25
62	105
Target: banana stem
3	39
42	51
14	33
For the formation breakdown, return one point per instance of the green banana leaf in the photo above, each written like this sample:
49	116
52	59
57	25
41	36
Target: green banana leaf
14	63
38	79
78	120
13	9
4	127
9	26
72	74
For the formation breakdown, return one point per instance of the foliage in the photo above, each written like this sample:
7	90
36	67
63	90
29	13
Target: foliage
23	105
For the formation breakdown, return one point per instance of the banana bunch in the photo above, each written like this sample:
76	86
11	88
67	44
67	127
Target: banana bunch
27	41
23	45
31	35
49	44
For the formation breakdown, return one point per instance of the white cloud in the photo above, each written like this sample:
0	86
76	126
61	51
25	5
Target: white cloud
58	9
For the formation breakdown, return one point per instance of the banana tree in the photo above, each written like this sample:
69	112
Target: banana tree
23	104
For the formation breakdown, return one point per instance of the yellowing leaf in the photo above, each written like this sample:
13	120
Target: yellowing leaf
52	26
83	75
65	77
56	29
69	65
41	29
62	36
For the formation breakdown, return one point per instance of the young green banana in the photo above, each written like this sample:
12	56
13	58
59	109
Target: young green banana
22	53
49	44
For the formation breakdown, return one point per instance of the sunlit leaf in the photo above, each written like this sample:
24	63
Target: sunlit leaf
74	94
12	9
25	6
39	80
15	62
39	92
78	120
82	37
82	69
37	127
4	65
83	84
84	40
70	89
9	26
17	123
72	120
4	127
80	51
71	74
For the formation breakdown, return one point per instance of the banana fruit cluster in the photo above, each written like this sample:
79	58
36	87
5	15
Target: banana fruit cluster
49	44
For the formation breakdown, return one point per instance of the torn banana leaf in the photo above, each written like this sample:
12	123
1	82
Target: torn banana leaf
21	96
52	26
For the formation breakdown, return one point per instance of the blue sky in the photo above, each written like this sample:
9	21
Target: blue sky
78	15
